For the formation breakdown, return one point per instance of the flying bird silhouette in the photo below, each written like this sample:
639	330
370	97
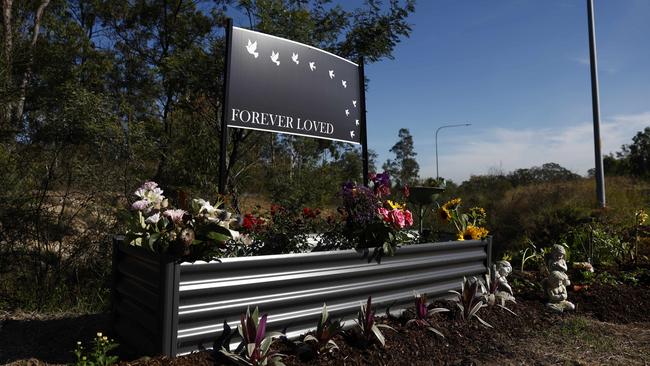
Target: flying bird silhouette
294	57
351	134
356	122
354	103
331	74
251	47
274	57
345	83
312	66
347	112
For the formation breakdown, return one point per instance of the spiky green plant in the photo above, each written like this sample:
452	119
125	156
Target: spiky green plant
422	313
470	299
325	331
254	349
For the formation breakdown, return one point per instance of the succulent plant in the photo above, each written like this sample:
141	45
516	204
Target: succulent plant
423	312
367	327
255	346
325	331
470	299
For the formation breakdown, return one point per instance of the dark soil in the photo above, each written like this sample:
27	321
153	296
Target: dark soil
610	326
625	304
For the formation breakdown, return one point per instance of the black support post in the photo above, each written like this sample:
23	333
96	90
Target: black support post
223	147
364	129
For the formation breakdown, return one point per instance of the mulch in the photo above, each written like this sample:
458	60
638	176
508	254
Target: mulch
464	343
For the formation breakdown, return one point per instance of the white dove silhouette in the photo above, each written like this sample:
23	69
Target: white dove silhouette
344	83
312	66
274	57
351	134
294	57
356	122
347	112
251	48
354	103
331	74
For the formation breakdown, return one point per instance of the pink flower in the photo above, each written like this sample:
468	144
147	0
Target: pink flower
408	217
175	215
397	217
385	214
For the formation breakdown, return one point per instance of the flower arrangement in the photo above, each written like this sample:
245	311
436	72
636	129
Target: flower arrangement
371	218
469	226
201	232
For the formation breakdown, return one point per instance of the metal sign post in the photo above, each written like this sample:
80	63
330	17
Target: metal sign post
364	130
223	147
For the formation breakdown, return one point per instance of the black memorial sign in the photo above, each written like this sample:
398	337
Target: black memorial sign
279	85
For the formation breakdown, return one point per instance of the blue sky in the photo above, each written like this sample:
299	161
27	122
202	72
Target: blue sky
518	71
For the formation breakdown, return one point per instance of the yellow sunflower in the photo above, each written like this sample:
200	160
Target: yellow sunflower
444	214
396	205
473	233
452	204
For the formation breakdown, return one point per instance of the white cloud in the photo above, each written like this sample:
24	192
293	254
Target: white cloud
510	149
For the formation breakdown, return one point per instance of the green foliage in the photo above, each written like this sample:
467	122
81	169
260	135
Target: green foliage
117	92
367	328
99	355
326	330
470	300
405	168
633	159
422	313
254	349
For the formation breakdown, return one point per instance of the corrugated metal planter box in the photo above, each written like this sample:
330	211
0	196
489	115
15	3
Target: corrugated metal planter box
164	307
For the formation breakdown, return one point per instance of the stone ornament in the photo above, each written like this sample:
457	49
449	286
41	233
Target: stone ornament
557	281
499	282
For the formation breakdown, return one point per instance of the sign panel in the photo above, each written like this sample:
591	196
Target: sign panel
279	85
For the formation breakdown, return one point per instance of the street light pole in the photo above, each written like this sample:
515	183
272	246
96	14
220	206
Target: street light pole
600	174
440	128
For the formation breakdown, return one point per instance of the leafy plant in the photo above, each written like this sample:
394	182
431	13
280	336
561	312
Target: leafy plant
254	348
99	354
528	253
367	327
325	331
423	312
469	226
157	227
470	299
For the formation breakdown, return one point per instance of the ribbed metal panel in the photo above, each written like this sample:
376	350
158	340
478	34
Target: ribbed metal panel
292	288
144	299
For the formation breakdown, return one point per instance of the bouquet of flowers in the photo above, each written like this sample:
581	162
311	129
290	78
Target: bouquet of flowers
371	218
200	233
469	226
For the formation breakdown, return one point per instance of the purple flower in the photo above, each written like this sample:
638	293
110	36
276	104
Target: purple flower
141	205
175	215
149	185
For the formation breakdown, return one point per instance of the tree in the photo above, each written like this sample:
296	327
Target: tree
549	172
638	154
405	168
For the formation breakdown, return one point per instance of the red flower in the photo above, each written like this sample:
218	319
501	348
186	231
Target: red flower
249	222
252	223
308	213
276	209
